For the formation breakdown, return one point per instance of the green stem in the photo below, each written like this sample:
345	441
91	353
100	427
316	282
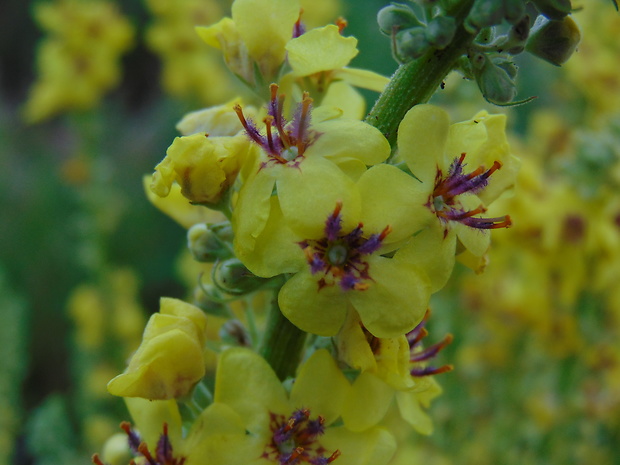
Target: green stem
282	342
416	82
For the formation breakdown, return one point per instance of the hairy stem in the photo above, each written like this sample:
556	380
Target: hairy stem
416	82
282	343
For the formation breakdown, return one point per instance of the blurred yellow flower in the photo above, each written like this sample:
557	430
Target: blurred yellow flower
79	60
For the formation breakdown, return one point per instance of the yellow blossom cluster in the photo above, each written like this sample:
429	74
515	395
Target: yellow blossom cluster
78	61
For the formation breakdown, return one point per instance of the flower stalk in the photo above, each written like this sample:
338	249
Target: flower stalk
415	82
282	342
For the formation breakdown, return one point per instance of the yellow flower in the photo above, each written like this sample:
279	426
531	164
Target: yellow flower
189	68
259	422
79	60
322	55
309	164
205	167
338	263
392	370
170	360
254	38
453	200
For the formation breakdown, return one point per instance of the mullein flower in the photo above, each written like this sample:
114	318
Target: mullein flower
170	360
391	370
339	264
189	68
319	61
80	58
205	167
253	40
258	422
307	163
454	198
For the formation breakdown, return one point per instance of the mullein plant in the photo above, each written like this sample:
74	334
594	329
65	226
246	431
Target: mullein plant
325	235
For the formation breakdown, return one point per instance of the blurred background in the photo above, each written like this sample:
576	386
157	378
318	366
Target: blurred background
90	92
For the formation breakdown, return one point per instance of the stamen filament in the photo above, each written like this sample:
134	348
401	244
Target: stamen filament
433	350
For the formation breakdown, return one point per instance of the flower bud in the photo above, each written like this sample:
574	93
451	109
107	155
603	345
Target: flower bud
410	44
170	359
440	31
553	41
496	80
231	276
233	332
485	13
396	17
553	9
205	167
209	299
209	243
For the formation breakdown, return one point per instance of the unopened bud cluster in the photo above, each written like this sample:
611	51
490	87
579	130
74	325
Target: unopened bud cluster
501	30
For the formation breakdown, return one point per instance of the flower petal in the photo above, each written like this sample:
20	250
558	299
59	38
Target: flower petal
433	251
308	196
320	49
392	197
348	138
252	211
367	403
312	310
245	382
396	299
276	250
265	27
321	387
375	446
363	78
150	415
422	137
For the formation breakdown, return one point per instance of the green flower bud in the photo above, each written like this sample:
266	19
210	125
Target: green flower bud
231	276
520	31
465	66
485	35
208	243
514	10
440	31
553	41
553	9
233	332
485	13
396	17
410	44
478	61
496	80
209	299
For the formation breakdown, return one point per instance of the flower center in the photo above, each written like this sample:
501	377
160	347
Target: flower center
340	257
444	199
283	142
337	254
295	440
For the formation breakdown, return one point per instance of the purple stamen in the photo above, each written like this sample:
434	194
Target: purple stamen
163	450
333	225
